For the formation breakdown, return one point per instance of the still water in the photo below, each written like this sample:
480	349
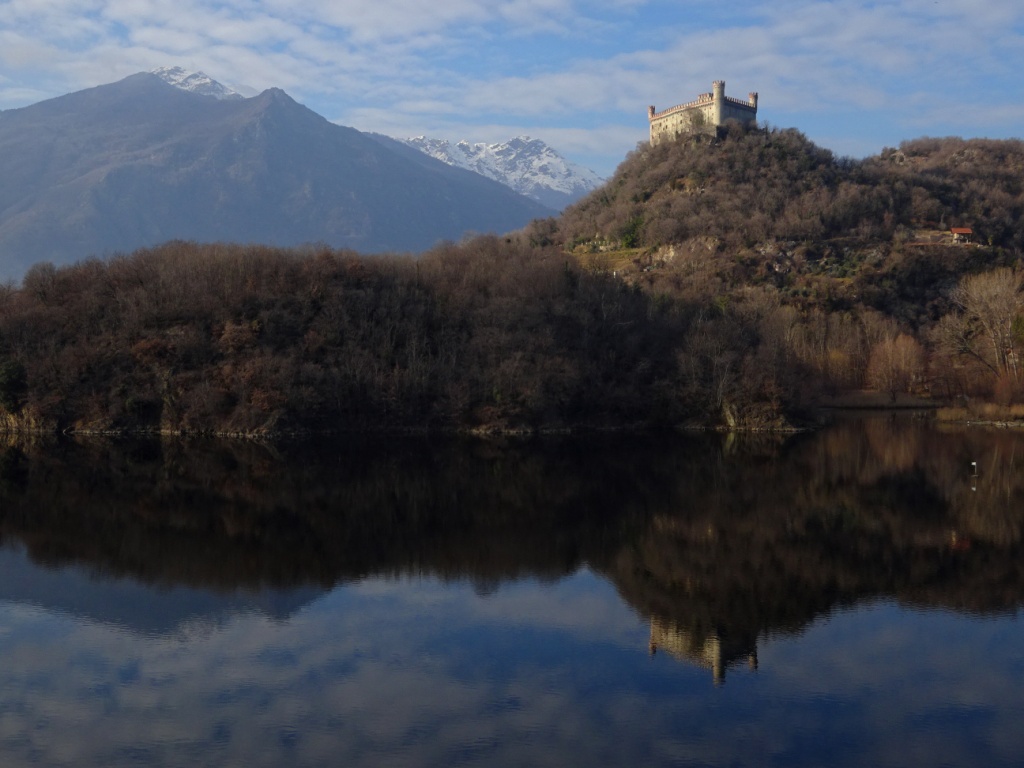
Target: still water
851	597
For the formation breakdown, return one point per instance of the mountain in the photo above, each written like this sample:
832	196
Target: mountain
195	82
139	162
529	166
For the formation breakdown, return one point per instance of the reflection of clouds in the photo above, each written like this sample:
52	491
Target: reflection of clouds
581	604
129	604
348	679
414	672
933	686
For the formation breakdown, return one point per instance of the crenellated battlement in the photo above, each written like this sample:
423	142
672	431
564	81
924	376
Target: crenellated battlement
733	100
708	110
703	99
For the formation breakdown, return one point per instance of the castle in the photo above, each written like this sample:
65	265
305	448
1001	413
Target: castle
705	113
713	651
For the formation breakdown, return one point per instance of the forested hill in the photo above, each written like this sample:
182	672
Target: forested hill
752	186
735	281
757	207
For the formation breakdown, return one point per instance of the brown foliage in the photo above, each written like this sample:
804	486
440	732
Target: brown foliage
895	364
247	339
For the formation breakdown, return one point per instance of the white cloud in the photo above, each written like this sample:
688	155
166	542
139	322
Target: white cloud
548	66
353	678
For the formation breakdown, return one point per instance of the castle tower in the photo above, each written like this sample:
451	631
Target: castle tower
718	96
753	99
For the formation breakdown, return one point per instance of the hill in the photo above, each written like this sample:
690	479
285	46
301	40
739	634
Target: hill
735	281
140	162
754	207
842	257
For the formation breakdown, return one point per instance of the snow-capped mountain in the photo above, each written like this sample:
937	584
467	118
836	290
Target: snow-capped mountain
195	82
529	166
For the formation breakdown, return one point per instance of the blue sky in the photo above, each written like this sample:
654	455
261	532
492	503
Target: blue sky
854	75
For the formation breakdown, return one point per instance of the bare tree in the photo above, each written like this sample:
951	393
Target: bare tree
895	364
991	302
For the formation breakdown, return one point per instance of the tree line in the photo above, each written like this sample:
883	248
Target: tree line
244	339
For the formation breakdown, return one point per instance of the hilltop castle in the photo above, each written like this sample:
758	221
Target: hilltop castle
706	112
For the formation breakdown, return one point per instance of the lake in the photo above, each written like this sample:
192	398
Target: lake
847	597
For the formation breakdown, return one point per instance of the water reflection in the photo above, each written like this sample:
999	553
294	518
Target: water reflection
707	534
713	652
435	602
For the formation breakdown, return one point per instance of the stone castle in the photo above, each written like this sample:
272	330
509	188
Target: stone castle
705	113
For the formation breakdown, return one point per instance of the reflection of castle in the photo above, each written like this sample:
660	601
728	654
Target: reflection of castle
716	652
706	112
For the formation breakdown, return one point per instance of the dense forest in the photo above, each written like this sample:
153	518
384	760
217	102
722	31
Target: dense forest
734	280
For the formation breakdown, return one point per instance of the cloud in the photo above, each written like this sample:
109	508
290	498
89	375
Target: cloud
856	70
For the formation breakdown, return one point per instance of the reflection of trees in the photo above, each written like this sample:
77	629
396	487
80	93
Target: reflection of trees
715	541
879	508
238	515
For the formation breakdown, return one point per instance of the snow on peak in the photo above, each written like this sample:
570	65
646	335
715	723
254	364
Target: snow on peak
529	166
195	82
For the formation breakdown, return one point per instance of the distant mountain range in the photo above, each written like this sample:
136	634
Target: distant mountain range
139	162
529	166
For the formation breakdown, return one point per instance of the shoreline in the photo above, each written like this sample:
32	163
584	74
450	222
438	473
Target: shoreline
813	417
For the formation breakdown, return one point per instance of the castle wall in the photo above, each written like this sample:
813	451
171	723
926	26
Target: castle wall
705	113
733	110
670	125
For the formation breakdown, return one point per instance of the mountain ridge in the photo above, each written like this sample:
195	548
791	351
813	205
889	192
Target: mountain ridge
138	162
529	166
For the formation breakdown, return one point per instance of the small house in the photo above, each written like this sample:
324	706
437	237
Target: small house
962	234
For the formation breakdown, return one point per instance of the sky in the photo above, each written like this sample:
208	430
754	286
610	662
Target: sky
853	75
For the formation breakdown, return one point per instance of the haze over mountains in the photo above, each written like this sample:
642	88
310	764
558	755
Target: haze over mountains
140	162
